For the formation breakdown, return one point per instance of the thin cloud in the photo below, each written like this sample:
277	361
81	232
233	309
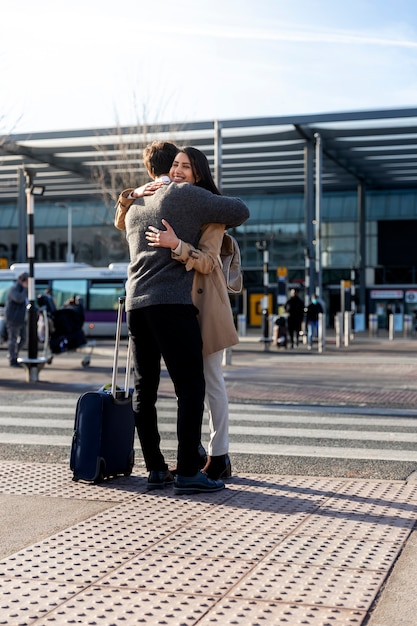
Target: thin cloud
287	35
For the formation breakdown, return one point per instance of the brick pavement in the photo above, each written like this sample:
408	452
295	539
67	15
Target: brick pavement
371	371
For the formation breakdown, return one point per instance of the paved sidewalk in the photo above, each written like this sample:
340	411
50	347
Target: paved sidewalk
269	549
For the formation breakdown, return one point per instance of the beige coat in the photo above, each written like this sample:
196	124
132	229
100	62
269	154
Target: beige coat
209	292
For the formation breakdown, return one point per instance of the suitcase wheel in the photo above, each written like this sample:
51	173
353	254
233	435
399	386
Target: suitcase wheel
101	472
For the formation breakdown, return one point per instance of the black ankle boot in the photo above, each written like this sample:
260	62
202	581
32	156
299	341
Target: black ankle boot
218	467
201	463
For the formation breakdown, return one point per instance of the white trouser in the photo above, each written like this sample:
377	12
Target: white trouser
217	404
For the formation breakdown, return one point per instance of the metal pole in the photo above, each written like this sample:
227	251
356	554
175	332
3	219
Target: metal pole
362	247
32	363
22	213
31	308
309	216
352	303
342	297
306	291
319	286
218	154
306	278
70	256
265	315
263	247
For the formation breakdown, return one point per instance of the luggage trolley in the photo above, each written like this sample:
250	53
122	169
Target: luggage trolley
61	331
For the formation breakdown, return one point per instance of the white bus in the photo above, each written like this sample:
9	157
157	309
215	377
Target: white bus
99	288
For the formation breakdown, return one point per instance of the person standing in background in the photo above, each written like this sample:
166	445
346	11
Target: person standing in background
295	309
15	317
312	318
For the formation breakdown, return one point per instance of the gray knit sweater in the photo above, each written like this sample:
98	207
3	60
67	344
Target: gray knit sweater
153	276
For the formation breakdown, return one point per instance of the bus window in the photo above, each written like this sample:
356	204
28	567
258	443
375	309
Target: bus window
104	296
64	289
6	284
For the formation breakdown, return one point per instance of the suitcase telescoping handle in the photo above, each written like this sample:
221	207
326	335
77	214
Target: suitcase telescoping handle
116	353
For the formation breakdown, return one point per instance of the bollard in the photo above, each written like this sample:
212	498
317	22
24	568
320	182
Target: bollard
408	325
338	326
321	333
373	324
351	316
227	356
391	327
241	325
266	339
347	327
32	367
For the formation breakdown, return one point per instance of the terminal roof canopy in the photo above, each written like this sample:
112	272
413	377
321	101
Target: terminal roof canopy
260	155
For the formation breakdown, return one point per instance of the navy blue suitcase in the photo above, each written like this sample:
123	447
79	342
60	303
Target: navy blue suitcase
104	428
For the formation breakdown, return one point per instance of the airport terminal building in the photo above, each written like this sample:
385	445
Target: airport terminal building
333	201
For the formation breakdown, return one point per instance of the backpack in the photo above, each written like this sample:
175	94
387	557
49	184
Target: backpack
231	263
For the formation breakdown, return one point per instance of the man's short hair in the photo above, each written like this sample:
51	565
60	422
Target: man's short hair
158	157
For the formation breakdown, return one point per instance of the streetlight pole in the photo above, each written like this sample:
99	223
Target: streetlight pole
319	286
32	363
31	307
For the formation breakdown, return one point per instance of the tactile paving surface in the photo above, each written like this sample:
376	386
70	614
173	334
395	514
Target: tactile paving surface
267	549
56	481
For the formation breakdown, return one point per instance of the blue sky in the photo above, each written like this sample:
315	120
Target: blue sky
88	64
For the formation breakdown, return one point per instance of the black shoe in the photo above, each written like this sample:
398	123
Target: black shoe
200	483
14	363
159	479
218	467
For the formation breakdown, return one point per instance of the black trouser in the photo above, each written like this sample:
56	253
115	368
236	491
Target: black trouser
294	327
170	331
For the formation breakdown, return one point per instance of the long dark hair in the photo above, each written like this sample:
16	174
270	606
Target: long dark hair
201	169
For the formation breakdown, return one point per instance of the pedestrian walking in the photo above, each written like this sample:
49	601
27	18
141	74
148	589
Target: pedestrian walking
15	317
